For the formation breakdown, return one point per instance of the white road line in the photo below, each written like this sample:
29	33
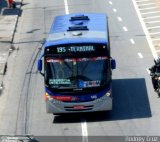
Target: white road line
145	31
156	33
119	19
125	29
84	131
151	17
157	45
114	10
110	2
66	7
152	22
140	55
142	0
149	8
155	39
148	71
156	27
147	4
150	12
132	41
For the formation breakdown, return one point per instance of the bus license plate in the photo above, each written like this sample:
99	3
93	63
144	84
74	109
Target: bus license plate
78	107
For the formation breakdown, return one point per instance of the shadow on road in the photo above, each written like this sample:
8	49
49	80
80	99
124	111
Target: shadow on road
130	101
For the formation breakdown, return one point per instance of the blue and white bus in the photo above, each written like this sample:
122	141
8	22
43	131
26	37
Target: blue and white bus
77	64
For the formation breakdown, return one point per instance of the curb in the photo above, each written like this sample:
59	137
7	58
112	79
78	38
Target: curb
8	44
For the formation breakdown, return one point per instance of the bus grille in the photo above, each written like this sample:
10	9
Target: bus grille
71	108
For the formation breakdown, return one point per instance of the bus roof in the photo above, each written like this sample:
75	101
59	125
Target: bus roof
78	28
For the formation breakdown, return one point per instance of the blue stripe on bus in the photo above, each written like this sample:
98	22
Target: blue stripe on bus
82	97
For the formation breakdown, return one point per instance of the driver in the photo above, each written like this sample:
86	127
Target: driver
153	70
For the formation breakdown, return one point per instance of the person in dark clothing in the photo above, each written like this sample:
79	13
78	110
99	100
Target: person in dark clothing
154	70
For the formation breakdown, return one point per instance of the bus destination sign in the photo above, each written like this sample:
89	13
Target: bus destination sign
97	50
89	48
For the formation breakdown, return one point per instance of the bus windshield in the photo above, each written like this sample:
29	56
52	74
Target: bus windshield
76	73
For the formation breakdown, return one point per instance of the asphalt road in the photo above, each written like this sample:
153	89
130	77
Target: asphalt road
135	105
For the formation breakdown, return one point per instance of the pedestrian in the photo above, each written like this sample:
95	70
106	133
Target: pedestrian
14	4
10	3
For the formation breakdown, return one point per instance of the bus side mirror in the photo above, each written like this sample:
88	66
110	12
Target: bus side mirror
39	65
113	64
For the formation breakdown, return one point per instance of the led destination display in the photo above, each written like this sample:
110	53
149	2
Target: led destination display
76	49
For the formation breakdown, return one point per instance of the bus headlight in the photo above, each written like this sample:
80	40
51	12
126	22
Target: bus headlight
47	97
108	94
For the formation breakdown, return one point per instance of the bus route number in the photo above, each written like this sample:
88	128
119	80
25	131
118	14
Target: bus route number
61	49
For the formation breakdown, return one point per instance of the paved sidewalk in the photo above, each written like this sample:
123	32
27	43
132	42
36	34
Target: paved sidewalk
8	23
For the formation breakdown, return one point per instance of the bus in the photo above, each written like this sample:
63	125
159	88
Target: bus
77	65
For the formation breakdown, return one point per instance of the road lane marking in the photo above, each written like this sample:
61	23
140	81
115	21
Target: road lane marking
152	22
84	131
119	19
148	71
145	30
151	17
153	12
156	33
115	10
156	27
148	8
140	55
66	7
110	2
125	29
132	41
155	39
142	1
147	4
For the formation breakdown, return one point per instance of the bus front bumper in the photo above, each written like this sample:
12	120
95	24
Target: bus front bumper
57	107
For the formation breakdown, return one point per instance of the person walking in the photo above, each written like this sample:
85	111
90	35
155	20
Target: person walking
10	3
